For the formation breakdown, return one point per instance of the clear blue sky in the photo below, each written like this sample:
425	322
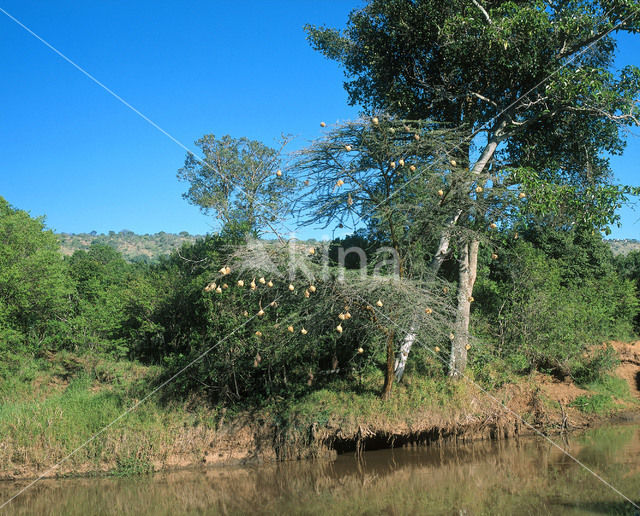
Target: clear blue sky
72	152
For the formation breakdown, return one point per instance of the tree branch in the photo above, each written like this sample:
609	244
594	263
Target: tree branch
483	98
602	112
484	12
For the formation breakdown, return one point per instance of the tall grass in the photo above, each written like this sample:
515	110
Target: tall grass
48	418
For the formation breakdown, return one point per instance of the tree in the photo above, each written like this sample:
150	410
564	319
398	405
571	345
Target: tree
103	281
530	83
240	181
33	284
279	334
364	172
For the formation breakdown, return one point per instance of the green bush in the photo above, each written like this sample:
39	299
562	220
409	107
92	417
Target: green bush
549	301
102	282
258	357
34	287
595	366
628	267
132	465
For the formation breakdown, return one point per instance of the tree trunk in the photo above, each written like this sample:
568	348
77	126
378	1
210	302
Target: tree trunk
467	278
389	375
457	363
478	168
403	354
443	246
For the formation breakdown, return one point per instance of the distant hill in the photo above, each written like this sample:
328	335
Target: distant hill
623	246
149	248
146	248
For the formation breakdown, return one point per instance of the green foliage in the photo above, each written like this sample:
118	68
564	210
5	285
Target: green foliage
449	63
628	267
595	365
332	407
132	465
168	315
533	149
552	298
108	293
236	179
542	305
257	356
34	288
550	131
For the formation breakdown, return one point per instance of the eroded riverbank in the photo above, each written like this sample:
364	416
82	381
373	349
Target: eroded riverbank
161	438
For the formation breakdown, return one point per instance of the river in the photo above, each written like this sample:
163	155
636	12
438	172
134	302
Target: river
525	476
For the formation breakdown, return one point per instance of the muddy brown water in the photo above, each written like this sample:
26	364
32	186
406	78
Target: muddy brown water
525	476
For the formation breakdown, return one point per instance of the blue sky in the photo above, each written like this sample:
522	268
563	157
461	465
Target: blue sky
72	152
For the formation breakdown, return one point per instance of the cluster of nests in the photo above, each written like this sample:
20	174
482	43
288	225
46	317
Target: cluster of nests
343	316
401	163
346	315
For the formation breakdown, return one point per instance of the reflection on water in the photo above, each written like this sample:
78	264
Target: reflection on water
509	477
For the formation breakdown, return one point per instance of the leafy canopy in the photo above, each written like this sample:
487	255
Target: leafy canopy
237	180
33	282
533	78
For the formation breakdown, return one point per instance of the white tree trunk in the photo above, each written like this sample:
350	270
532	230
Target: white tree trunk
461	336
467	279
443	246
403	354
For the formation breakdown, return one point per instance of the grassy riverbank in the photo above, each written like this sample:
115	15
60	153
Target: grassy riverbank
50	406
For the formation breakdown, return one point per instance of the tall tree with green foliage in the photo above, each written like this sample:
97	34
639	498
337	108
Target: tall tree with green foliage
240	181
531	86
103	283
34	288
363	172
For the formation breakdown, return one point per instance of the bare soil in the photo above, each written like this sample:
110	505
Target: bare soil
629	367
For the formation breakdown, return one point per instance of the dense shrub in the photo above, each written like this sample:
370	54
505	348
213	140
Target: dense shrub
550	299
628	267
34	287
107	298
259	356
